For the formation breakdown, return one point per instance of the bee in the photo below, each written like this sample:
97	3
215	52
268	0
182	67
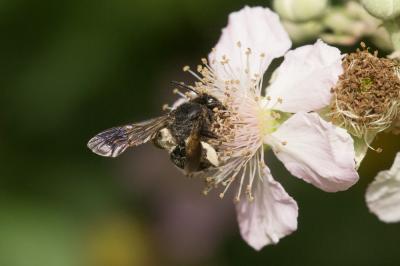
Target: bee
183	132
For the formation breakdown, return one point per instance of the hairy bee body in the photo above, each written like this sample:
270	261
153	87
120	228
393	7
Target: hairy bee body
183	133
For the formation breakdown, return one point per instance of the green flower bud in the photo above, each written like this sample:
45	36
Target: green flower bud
302	32
383	9
300	10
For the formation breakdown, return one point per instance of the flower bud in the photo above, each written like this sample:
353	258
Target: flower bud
302	32
300	10
383	9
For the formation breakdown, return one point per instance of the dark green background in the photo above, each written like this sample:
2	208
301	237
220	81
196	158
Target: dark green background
72	68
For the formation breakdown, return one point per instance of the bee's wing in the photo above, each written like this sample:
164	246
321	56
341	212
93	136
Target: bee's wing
114	141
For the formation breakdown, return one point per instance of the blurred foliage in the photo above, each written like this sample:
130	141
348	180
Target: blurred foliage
72	68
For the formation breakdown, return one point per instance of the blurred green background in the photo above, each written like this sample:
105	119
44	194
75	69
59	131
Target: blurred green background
70	69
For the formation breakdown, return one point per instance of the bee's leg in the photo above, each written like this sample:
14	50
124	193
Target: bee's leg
193	152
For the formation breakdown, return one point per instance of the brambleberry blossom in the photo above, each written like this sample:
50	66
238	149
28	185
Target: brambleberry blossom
282	117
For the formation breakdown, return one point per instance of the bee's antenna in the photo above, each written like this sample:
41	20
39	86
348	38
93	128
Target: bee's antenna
184	86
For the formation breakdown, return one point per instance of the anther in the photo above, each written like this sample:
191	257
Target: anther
166	107
186	68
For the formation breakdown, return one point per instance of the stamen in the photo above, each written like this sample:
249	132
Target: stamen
166	107
176	91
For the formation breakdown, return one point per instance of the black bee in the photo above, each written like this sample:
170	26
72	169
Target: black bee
182	132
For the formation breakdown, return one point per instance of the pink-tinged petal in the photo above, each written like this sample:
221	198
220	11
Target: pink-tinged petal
316	151
383	194
304	80
271	216
256	28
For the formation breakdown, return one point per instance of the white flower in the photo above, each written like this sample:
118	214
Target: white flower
383	194
310	148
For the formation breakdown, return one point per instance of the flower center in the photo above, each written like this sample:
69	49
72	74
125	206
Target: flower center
367	95
268	121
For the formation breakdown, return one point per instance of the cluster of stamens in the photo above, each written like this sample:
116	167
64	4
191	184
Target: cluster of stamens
239	125
367	95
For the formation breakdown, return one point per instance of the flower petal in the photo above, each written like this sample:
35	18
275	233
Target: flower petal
383	194
304	79
316	151
256	28
271	216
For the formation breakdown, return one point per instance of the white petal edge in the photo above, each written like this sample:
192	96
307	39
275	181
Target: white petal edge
316	151
383	194
304	80
271	216
256	28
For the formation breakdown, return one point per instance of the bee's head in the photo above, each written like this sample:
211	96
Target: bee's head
202	98
209	101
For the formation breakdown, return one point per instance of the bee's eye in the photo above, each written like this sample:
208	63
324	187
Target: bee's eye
210	101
